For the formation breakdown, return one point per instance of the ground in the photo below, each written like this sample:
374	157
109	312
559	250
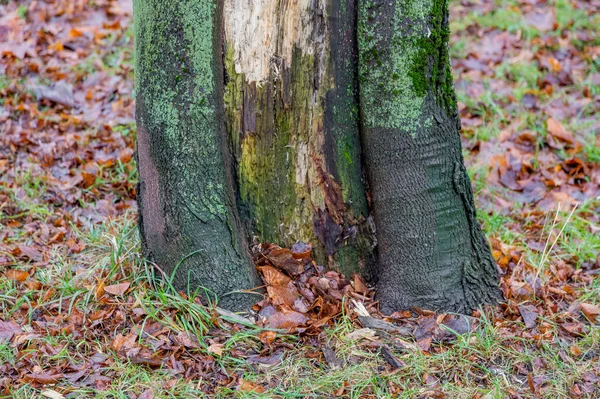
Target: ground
82	316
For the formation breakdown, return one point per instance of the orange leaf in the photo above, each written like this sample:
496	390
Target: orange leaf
58	46
117	289
250	387
125	155
73	33
556	129
17	275
89	173
556	67
590	311
100	289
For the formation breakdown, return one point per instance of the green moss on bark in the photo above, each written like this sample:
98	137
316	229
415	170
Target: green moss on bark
187	222
431	251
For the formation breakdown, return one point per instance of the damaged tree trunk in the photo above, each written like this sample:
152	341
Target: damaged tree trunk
292	116
431	252
260	107
188	222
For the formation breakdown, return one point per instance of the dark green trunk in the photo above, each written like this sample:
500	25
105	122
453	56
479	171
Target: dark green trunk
431	252
292	114
187	220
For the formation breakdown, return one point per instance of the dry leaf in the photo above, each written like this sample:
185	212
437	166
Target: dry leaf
217	349
590	311
16	275
117	289
556	129
248	386
363	333
49	393
8	329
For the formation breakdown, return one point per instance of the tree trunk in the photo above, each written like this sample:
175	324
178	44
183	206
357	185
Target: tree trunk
188	221
292	115
290	88
431	252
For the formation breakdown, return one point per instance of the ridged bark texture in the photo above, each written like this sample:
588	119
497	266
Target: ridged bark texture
188	222
431	251
292	115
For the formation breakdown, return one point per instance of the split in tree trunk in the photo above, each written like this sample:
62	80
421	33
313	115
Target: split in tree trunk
292	115
188	221
431	252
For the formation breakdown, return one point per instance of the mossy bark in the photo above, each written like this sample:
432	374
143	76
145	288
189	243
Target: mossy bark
188	221
431	252
292	116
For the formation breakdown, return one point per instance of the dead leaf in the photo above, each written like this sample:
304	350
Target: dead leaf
556	129
284	259
280	287
543	20
529	314
42	378
8	329
286	319
248	386
389	357
117	289
60	92
217	349
301	250
145	361
359	284
16	275
590	311
49	393
363	333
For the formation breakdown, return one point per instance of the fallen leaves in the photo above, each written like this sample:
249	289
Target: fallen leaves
529	315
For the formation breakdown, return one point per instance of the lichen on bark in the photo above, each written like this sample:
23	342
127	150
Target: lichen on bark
188	223
431	252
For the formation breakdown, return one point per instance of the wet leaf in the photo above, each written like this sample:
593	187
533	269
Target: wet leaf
389	357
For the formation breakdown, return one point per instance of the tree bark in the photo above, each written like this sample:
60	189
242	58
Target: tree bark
290	88
431	252
292	116
188	221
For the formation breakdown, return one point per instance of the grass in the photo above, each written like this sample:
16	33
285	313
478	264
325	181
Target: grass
487	362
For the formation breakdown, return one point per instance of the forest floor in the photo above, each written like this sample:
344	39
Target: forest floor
79	316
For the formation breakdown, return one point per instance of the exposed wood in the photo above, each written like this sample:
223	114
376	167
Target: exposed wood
291	114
